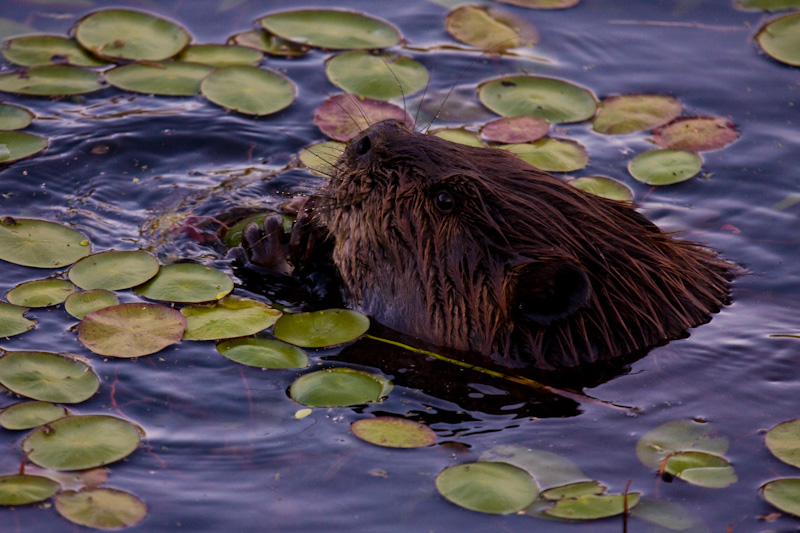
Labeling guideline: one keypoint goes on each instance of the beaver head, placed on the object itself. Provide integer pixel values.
(476, 250)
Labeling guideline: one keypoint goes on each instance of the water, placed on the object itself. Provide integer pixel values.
(223, 449)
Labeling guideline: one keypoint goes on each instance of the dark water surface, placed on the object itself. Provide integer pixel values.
(224, 451)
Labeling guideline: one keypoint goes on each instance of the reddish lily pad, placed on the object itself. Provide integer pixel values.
(697, 134)
(101, 508)
(40, 293)
(331, 29)
(20, 489)
(227, 318)
(342, 116)
(629, 113)
(521, 129)
(131, 329)
(393, 432)
(489, 29)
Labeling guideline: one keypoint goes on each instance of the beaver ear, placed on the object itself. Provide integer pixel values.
(549, 290)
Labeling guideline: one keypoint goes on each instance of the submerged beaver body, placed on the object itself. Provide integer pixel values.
(475, 250)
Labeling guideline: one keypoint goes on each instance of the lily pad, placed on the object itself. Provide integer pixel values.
(40, 293)
(227, 318)
(701, 468)
(681, 435)
(458, 135)
(629, 113)
(40, 244)
(187, 283)
(496, 488)
(249, 90)
(551, 99)
(780, 39)
(521, 129)
(592, 507)
(12, 321)
(16, 145)
(81, 442)
(604, 187)
(489, 29)
(665, 167)
(167, 79)
(51, 80)
(321, 329)
(383, 76)
(114, 270)
(784, 442)
(101, 508)
(131, 329)
(697, 134)
(542, 4)
(268, 43)
(338, 387)
(784, 494)
(551, 155)
(130, 35)
(574, 490)
(14, 117)
(48, 377)
(35, 50)
(332, 29)
(24, 489)
(220, 55)
(342, 116)
(321, 157)
(81, 303)
(263, 353)
(393, 432)
(27, 415)
(547, 468)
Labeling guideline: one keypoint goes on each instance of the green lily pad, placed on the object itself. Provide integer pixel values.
(784, 442)
(665, 167)
(35, 50)
(14, 117)
(393, 432)
(697, 134)
(249, 90)
(12, 321)
(629, 113)
(320, 158)
(51, 80)
(81, 442)
(227, 318)
(221, 55)
(541, 4)
(551, 155)
(332, 29)
(783, 494)
(131, 329)
(24, 489)
(81, 303)
(113, 270)
(48, 377)
(459, 135)
(681, 435)
(40, 244)
(130, 35)
(263, 353)
(574, 490)
(780, 39)
(101, 508)
(701, 468)
(40, 293)
(547, 468)
(321, 329)
(489, 29)
(342, 116)
(187, 283)
(167, 79)
(592, 507)
(521, 129)
(382, 76)
(496, 488)
(338, 387)
(16, 145)
(604, 187)
(27, 415)
(551, 99)
(268, 43)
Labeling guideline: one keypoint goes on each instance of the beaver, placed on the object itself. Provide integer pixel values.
(475, 250)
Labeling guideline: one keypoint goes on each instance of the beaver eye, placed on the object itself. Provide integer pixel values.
(444, 202)
(362, 145)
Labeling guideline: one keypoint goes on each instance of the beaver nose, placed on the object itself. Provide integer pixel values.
(362, 145)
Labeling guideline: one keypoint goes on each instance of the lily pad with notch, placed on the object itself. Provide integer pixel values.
(187, 283)
(780, 38)
(701, 468)
(629, 113)
(39, 243)
(221, 55)
(554, 100)
(40, 292)
(678, 436)
(393, 432)
(783, 441)
(496, 488)
(81, 303)
(593, 506)
(114, 270)
(342, 116)
(321, 329)
(604, 187)
(28, 415)
(101, 508)
(13, 321)
(13, 117)
(36, 50)
(227, 318)
(249, 90)
(24, 489)
(380, 76)
(268, 43)
(520, 129)
(665, 167)
(171, 78)
(697, 134)
(458, 135)
(48, 377)
(783, 494)
(263, 353)
(331, 29)
(16, 145)
(51, 80)
(551, 155)
(339, 387)
(490, 29)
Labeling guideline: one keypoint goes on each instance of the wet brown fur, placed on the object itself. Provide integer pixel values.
(459, 279)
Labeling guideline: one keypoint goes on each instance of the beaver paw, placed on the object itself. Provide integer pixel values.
(267, 246)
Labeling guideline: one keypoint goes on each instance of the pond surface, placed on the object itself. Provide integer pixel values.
(223, 449)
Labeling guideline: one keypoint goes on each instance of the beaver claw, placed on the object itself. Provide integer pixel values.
(268, 246)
